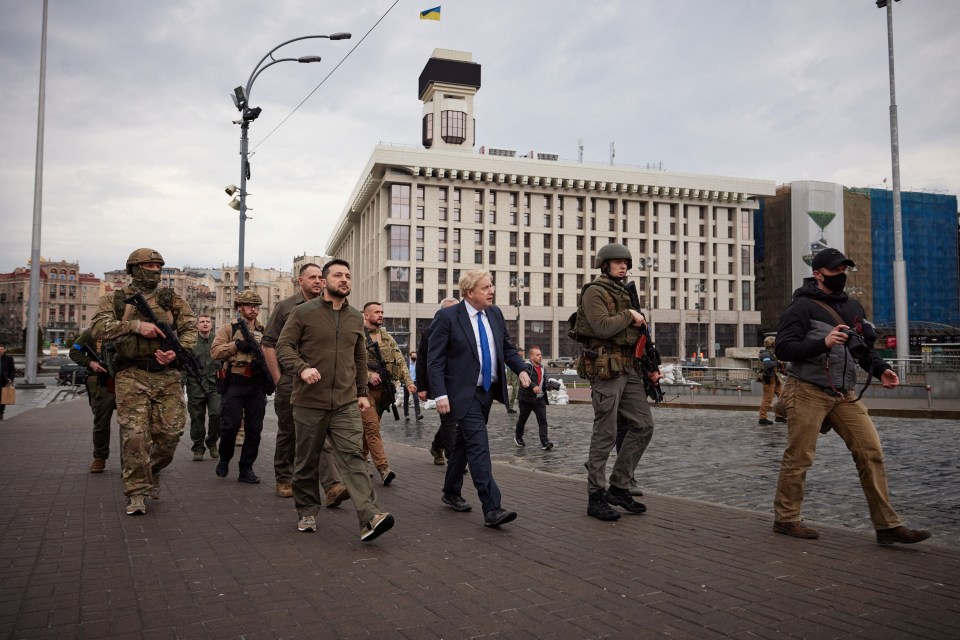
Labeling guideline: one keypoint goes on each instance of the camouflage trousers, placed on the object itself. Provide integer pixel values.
(152, 415)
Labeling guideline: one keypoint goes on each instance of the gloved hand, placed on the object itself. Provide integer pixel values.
(243, 346)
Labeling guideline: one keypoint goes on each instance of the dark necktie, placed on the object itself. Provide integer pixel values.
(486, 365)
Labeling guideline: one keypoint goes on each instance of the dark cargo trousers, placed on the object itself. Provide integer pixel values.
(622, 398)
(202, 403)
(243, 402)
(285, 452)
(102, 404)
(343, 427)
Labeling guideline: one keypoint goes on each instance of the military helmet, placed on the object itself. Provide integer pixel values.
(139, 256)
(247, 296)
(613, 251)
(769, 341)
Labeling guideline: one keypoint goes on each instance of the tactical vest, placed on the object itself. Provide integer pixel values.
(133, 346)
(618, 301)
(241, 359)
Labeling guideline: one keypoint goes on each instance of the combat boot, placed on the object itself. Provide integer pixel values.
(214, 453)
(622, 498)
(155, 487)
(598, 508)
(135, 505)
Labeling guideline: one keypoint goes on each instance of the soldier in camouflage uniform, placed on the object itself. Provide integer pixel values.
(245, 400)
(100, 395)
(150, 407)
(203, 399)
(381, 393)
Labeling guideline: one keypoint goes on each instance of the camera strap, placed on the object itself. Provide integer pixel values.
(826, 368)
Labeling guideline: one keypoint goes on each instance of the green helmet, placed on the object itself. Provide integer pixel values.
(769, 341)
(613, 251)
(139, 256)
(247, 296)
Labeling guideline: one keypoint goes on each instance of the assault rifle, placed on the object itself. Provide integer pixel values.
(258, 359)
(188, 361)
(379, 367)
(645, 350)
(90, 353)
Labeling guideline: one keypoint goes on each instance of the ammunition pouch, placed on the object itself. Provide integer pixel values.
(603, 364)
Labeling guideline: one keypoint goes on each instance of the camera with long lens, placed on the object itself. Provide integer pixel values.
(856, 344)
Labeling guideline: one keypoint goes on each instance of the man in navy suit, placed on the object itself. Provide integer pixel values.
(468, 348)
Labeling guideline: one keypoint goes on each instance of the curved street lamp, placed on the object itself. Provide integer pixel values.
(241, 100)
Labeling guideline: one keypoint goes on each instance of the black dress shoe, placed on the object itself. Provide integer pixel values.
(457, 503)
(249, 477)
(222, 469)
(497, 517)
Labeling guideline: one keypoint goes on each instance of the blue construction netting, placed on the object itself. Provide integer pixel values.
(929, 223)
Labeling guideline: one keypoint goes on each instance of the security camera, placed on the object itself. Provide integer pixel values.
(239, 98)
(231, 189)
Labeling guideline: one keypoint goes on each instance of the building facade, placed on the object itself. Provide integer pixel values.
(67, 303)
(804, 217)
(419, 217)
(272, 285)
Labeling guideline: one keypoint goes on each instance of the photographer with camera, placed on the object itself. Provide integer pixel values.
(823, 336)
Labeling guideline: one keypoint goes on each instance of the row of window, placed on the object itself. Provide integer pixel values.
(400, 209)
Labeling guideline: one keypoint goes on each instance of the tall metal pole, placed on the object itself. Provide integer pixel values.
(33, 306)
(244, 142)
(899, 266)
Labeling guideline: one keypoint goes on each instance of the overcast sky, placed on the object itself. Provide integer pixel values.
(140, 144)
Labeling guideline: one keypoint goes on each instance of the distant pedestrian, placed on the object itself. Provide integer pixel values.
(407, 395)
(203, 399)
(100, 394)
(8, 372)
(823, 336)
(769, 377)
(514, 382)
(534, 399)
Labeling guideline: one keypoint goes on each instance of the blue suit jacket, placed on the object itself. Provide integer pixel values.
(453, 364)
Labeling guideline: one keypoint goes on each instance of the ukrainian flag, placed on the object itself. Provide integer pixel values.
(431, 14)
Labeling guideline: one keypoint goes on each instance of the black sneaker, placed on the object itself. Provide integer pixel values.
(546, 446)
(222, 469)
(519, 441)
(598, 508)
(780, 419)
(765, 422)
(623, 499)
(248, 476)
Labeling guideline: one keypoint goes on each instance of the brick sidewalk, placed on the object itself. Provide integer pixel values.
(218, 559)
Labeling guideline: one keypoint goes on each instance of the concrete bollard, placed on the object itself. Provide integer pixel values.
(739, 394)
(929, 398)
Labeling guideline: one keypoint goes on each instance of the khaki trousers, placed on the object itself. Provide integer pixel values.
(372, 442)
(622, 397)
(286, 446)
(807, 407)
(773, 388)
(343, 426)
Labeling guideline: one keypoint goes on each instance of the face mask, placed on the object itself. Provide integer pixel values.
(145, 280)
(835, 283)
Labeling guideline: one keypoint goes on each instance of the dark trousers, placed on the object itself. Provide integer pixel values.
(203, 402)
(467, 442)
(103, 403)
(447, 424)
(244, 401)
(416, 403)
(539, 409)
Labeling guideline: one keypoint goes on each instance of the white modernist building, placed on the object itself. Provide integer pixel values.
(419, 217)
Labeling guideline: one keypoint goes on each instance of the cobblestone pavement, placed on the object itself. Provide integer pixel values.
(725, 458)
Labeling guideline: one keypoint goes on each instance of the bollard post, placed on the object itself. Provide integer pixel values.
(739, 394)
(691, 393)
(929, 399)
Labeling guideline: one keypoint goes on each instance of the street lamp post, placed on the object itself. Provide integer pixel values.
(649, 264)
(699, 289)
(519, 284)
(241, 99)
(899, 266)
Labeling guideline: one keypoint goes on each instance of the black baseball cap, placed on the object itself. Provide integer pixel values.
(830, 259)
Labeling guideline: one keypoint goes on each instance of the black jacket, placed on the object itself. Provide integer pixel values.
(7, 370)
(526, 394)
(800, 339)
